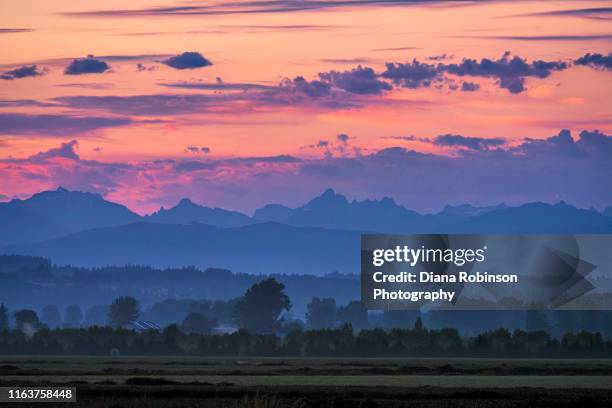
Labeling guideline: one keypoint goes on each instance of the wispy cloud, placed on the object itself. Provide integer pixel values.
(232, 29)
(597, 13)
(56, 125)
(396, 49)
(133, 57)
(218, 86)
(352, 61)
(15, 30)
(560, 37)
(97, 86)
(468, 142)
(262, 7)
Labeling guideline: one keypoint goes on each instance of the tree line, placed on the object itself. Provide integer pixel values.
(264, 332)
(265, 308)
(339, 342)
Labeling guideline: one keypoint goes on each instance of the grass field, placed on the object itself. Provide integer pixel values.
(313, 382)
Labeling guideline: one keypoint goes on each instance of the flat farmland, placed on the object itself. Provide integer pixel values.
(139, 381)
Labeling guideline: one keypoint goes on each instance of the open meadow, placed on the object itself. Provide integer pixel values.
(313, 382)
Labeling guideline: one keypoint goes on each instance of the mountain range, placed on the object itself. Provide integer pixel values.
(322, 236)
(52, 214)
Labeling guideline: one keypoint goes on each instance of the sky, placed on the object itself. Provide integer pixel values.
(237, 104)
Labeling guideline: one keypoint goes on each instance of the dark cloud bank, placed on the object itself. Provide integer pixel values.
(332, 89)
(597, 61)
(483, 171)
(557, 168)
(509, 72)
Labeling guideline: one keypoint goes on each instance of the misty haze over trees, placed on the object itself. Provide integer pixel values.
(264, 332)
(263, 326)
(300, 278)
(169, 296)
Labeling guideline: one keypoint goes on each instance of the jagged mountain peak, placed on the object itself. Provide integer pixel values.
(185, 202)
(188, 212)
(327, 199)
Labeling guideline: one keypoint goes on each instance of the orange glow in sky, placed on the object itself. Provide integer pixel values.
(246, 104)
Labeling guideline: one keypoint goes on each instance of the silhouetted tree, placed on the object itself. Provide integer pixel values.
(321, 313)
(25, 318)
(418, 324)
(197, 323)
(124, 310)
(4, 323)
(51, 316)
(73, 316)
(260, 307)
